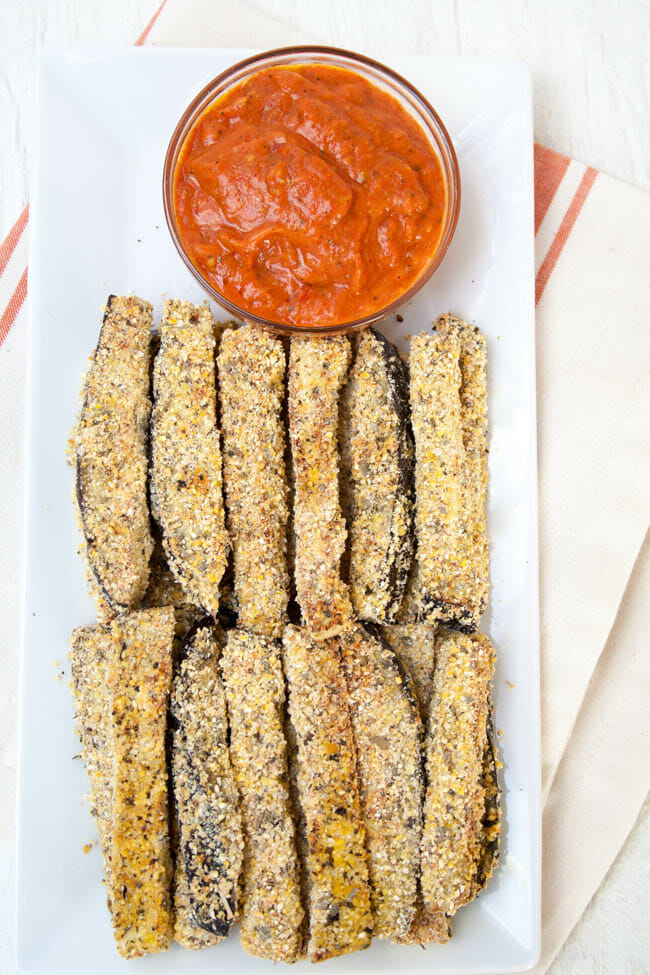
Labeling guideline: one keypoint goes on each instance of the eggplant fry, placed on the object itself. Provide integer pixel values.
(435, 413)
(139, 677)
(271, 912)
(251, 390)
(474, 421)
(210, 844)
(317, 372)
(377, 466)
(186, 494)
(90, 650)
(414, 645)
(455, 746)
(449, 415)
(111, 457)
(388, 738)
(340, 917)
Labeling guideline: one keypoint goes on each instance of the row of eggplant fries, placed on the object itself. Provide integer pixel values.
(381, 854)
(368, 462)
(367, 802)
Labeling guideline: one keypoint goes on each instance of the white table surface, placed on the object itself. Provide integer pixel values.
(592, 101)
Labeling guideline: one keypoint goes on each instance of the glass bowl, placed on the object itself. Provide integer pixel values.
(389, 81)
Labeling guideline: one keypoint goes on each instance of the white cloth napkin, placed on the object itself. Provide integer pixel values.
(592, 243)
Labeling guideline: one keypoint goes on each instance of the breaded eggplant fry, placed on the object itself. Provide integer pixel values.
(449, 416)
(439, 455)
(90, 651)
(111, 447)
(455, 746)
(186, 492)
(139, 677)
(414, 644)
(377, 467)
(271, 912)
(210, 844)
(388, 738)
(251, 390)
(474, 421)
(317, 372)
(340, 917)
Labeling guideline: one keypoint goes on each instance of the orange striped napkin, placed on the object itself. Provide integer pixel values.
(593, 369)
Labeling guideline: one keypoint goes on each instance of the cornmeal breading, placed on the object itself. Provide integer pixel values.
(111, 456)
(428, 927)
(455, 745)
(491, 823)
(317, 372)
(165, 590)
(139, 677)
(90, 650)
(186, 931)
(186, 493)
(388, 738)
(450, 581)
(340, 917)
(435, 413)
(300, 824)
(210, 843)
(121, 675)
(414, 644)
(411, 610)
(474, 422)
(271, 912)
(377, 468)
(251, 391)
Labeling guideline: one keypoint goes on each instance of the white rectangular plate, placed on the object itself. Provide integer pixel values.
(103, 122)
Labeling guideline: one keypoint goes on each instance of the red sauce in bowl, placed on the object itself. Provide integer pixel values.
(307, 195)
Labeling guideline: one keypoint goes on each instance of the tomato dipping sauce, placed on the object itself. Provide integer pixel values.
(307, 195)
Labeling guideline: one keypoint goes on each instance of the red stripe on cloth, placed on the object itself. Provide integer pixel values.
(563, 232)
(8, 245)
(550, 167)
(145, 33)
(10, 242)
(15, 304)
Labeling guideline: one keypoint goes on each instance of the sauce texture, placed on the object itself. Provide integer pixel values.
(307, 195)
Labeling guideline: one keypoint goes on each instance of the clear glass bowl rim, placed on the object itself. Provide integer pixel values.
(428, 118)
